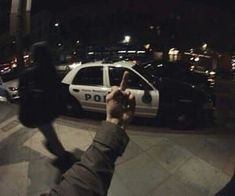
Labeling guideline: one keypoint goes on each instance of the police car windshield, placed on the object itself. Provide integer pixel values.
(149, 70)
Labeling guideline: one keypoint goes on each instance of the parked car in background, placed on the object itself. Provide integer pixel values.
(5, 68)
(9, 88)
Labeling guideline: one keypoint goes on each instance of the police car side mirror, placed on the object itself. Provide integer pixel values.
(157, 82)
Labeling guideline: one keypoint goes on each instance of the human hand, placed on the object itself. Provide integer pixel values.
(120, 104)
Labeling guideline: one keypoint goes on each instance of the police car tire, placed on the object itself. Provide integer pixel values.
(73, 107)
(182, 118)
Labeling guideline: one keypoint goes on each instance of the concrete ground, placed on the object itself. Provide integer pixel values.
(157, 161)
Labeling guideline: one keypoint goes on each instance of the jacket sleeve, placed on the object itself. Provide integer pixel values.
(92, 175)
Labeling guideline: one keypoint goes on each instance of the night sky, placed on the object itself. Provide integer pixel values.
(160, 8)
(61, 5)
(198, 20)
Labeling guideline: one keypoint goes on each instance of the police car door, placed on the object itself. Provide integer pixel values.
(88, 88)
(147, 98)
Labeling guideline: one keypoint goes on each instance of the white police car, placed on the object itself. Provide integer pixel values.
(176, 102)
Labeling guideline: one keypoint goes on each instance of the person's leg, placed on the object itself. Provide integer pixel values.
(65, 159)
(52, 141)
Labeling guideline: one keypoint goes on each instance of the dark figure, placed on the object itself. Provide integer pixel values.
(40, 101)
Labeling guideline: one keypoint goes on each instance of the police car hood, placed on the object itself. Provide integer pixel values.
(182, 89)
(174, 83)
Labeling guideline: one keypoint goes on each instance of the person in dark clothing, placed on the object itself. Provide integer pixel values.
(91, 176)
(228, 189)
(40, 101)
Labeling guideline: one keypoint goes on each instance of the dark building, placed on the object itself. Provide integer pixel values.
(41, 26)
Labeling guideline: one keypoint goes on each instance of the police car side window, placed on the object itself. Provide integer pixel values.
(134, 81)
(90, 76)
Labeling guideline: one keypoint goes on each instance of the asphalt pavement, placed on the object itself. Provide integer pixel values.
(7, 110)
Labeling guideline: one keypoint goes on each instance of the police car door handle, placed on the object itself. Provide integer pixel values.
(76, 90)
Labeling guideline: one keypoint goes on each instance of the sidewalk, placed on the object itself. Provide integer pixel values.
(164, 164)
(7, 110)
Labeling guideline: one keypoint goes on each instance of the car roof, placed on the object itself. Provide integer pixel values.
(101, 63)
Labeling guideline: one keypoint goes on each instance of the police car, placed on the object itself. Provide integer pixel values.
(176, 102)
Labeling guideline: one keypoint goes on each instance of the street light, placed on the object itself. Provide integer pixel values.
(173, 54)
(77, 41)
(204, 46)
(56, 24)
(147, 46)
(197, 59)
(127, 39)
(173, 51)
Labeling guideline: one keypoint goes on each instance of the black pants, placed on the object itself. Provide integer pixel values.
(53, 143)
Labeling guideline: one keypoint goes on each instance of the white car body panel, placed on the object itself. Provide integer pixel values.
(92, 98)
(74, 65)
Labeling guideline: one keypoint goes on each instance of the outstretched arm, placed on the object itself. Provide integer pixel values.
(93, 174)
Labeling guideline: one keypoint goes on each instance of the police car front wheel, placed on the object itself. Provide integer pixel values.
(182, 119)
